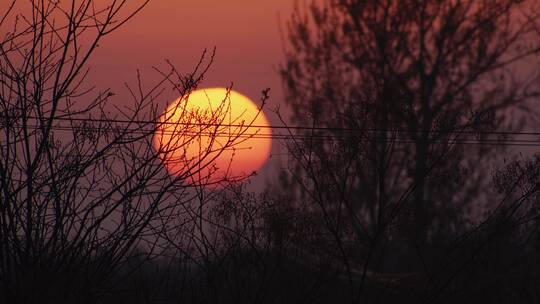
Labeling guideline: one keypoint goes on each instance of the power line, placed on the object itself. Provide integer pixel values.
(283, 127)
(277, 136)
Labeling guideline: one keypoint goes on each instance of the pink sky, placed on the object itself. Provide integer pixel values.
(245, 33)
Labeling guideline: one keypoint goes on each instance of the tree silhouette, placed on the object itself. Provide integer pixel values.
(397, 104)
(85, 199)
(403, 98)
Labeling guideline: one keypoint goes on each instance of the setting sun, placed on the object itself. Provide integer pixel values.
(213, 135)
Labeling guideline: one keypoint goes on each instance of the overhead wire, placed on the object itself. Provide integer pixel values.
(333, 133)
(284, 127)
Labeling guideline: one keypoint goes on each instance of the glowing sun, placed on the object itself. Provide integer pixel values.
(212, 135)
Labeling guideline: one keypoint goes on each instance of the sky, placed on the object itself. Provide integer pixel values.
(247, 35)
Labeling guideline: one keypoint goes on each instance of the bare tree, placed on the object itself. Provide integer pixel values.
(83, 187)
(397, 102)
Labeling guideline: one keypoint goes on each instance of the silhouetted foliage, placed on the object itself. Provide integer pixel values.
(402, 101)
(85, 200)
(386, 199)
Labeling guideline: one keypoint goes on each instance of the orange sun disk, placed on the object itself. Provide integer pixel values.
(211, 136)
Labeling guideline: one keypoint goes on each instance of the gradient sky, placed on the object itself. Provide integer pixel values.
(246, 34)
